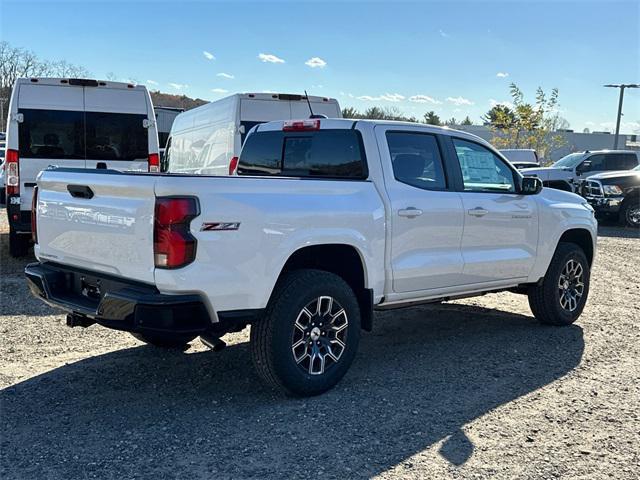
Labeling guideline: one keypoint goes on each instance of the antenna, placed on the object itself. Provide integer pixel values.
(306, 95)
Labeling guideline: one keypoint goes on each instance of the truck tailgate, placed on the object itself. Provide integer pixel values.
(97, 221)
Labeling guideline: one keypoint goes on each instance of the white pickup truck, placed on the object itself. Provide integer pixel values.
(326, 221)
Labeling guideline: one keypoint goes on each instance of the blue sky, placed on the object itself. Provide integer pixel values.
(456, 58)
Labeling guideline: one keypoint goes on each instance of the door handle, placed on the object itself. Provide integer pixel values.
(409, 212)
(477, 212)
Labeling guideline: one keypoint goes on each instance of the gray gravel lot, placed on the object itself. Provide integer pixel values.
(468, 389)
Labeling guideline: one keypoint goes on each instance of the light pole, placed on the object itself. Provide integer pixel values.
(621, 86)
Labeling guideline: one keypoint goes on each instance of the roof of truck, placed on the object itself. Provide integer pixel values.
(59, 81)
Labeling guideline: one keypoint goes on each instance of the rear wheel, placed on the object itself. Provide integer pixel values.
(630, 212)
(309, 335)
(561, 297)
(165, 340)
(18, 243)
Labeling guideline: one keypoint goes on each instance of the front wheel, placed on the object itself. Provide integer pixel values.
(630, 212)
(309, 335)
(562, 295)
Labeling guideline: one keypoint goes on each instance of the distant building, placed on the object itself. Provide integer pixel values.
(575, 142)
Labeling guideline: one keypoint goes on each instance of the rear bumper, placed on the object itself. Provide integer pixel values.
(20, 220)
(117, 303)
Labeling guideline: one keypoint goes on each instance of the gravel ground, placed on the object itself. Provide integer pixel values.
(468, 389)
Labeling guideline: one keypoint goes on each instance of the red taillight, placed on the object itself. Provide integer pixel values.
(34, 212)
(173, 244)
(154, 162)
(12, 172)
(301, 125)
(233, 164)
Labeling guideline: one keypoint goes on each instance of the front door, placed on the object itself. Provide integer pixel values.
(426, 213)
(500, 226)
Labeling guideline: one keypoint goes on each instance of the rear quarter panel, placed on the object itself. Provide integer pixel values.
(277, 216)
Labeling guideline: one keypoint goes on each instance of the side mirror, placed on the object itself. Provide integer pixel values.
(583, 167)
(531, 186)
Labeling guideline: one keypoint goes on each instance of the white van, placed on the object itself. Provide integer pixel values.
(77, 123)
(206, 139)
(521, 155)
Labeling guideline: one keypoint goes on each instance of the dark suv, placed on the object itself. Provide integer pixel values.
(615, 193)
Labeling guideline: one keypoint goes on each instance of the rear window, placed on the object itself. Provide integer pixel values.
(321, 153)
(59, 134)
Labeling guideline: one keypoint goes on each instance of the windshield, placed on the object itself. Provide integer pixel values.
(570, 160)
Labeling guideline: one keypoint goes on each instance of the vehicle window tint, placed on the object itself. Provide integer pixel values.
(55, 134)
(116, 136)
(323, 153)
(597, 163)
(261, 155)
(247, 126)
(623, 161)
(416, 160)
(482, 171)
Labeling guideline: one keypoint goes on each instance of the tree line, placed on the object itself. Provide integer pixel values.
(393, 113)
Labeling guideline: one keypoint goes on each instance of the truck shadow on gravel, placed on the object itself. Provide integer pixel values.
(419, 377)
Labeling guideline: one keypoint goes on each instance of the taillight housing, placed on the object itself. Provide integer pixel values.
(233, 165)
(173, 244)
(34, 213)
(154, 162)
(301, 125)
(12, 172)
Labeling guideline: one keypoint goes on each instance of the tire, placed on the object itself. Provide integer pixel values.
(308, 369)
(165, 340)
(18, 244)
(630, 212)
(548, 304)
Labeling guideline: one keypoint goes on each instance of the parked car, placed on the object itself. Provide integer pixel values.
(571, 171)
(325, 221)
(76, 123)
(616, 194)
(523, 165)
(515, 155)
(207, 139)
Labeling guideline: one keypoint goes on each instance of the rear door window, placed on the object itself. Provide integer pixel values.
(416, 160)
(321, 153)
(54, 134)
(61, 134)
(116, 136)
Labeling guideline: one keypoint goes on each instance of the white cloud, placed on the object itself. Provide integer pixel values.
(316, 62)
(179, 86)
(459, 101)
(269, 58)
(219, 90)
(387, 97)
(317, 86)
(152, 82)
(443, 34)
(424, 99)
(493, 102)
(502, 74)
(208, 55)
(225, 75)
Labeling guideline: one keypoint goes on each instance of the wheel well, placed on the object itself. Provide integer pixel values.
(582, 238)
(342, 260)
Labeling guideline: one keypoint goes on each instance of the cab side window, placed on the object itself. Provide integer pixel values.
(416, 160)
(482, 171)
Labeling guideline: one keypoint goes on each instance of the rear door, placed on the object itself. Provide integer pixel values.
(426, 212)
(116, 134)
(51, 132)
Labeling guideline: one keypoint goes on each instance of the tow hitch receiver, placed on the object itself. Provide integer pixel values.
(75, 320)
